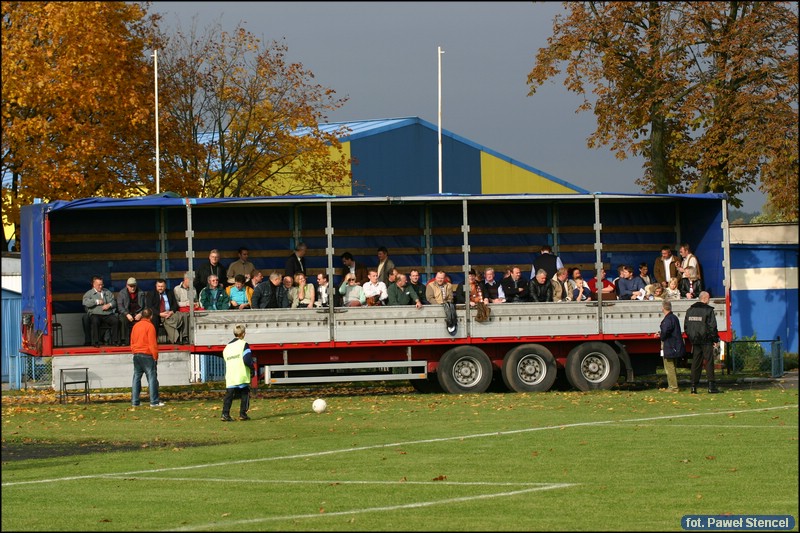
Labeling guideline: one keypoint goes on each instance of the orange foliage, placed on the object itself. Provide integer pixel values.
(706, 91)
(77, 100)
(246, 122)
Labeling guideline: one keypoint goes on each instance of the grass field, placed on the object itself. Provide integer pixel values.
(394, 460)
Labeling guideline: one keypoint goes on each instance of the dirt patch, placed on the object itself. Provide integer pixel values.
(21, 452)
(12, 451)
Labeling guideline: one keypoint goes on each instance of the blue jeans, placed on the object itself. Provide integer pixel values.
(144, 364)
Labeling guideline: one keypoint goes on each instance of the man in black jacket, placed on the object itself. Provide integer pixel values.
(700, 326)
(540, 288)
(515, 287)
(214, 266)
(165, 312)
(265, 295)
(295, 263)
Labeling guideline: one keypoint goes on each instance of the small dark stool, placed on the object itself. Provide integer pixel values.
(58, 334)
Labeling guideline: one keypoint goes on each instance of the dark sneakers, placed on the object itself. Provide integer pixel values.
(227, 418)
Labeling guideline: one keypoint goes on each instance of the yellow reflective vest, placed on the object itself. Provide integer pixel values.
(236, 373)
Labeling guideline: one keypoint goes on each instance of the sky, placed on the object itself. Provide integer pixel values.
(383, 56)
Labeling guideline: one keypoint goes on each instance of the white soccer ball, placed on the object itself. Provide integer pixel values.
(319, 405)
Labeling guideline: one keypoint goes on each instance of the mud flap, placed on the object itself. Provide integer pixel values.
(625, 358)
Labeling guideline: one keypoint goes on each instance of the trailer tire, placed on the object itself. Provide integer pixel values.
(465, 369)
(529, 368)
(592, 366)
(427, 386)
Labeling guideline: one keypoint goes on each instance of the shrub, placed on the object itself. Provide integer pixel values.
(749, 356)
(789, 361)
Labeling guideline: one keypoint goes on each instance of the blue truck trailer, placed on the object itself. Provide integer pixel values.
(523, 346)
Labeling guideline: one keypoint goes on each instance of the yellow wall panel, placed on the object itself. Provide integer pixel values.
(346, 187)
(502, 177)
(280, 183)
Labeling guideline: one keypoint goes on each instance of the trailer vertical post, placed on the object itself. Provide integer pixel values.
(190, 262)
(332, 289)
(467, 266)
(598, 264)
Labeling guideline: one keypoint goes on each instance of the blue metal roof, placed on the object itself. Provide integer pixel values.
(362, 128)
(170, 199)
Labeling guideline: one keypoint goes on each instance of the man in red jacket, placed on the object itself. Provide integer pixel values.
(144, 346)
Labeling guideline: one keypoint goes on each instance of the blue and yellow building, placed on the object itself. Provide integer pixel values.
(400, 157)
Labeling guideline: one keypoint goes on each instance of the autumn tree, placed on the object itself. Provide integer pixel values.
(706, 92)
(77, 100)
(248, 121)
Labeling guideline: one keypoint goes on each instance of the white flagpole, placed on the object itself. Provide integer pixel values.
(440, 118)
(155, 71)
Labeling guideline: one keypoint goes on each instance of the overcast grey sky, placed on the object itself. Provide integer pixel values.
(383, 56)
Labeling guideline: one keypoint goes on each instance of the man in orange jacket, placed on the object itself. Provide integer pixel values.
(144, 345)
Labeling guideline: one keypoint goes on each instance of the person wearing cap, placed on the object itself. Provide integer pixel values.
(130, 304)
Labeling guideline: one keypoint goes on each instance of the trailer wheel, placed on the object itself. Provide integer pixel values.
(427, 386)
(592, 366)
(465, 369)
(529, 368)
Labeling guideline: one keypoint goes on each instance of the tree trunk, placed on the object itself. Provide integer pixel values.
(658, 154)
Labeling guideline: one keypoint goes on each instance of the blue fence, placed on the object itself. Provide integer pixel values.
(212, 368)
(755, 356)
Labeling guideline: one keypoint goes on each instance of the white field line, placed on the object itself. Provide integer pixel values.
(417, 505)
(725, 426)
(396, 444)
(342, 482)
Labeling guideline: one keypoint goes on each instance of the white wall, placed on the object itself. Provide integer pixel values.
(115, 371)
(12, 274)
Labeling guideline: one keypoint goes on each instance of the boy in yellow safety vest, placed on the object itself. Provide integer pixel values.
(239, 368)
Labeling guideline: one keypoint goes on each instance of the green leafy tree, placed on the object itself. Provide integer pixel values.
(245, 121)
(706, 92)
(77, 97)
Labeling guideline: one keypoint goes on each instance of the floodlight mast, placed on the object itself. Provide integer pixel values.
(439, 55)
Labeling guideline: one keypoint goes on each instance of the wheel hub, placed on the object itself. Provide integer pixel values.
(595, 368)
(530, 370)
(467, 372)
